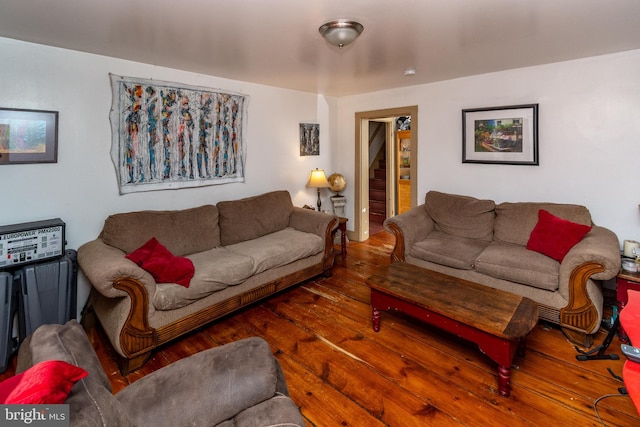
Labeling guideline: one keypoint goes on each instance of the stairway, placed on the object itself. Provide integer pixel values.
(378, 194)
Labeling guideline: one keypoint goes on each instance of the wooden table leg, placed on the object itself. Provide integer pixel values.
(502, 352)
(522, 348)
(375, 319)
(504, 381)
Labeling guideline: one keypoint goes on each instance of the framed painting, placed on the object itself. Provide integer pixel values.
(309, 139)
(502, 135)
(28, 136)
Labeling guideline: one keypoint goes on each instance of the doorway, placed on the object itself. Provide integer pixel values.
(362, 164)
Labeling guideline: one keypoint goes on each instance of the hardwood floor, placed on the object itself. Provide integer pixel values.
(342, 373)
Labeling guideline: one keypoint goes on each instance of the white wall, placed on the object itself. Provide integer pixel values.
(81, 188)
(589, 136)
(589, 139)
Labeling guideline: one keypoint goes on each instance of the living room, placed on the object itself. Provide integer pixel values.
(588, 148)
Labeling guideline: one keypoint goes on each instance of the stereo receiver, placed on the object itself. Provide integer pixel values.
(31, 241)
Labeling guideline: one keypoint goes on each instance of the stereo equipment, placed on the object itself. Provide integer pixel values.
(8, 309)
(48, 291)
(30, 242)
(34, 295)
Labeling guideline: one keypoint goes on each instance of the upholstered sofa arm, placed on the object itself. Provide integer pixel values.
(205, 389)
(595, 257)
(599, 246)
(409, 227)
(312, 221)
(104, 264)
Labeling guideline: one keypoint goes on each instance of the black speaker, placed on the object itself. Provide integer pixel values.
(47, 293)
(9, 304)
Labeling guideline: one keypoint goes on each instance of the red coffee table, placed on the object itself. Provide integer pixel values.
(497, 321)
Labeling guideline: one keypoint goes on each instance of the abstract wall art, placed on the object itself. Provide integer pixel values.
(169, 135)
(309, 139)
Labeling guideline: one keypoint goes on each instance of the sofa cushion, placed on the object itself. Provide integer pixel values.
(278, 411)
(96, 406)
(515, 221)
(554, 237)
(461, 216)
(162, 264)
(252, 217)
(279, 248)
(452, 251)
(517, 264)
(215, 269)
(183, 232)
(45, 383)
(225, 380)
(68, 343)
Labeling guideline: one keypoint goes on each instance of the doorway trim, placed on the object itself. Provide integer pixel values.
(361, 193)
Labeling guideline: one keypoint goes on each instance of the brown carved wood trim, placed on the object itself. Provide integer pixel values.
(127, 366)
(195, 320)
(397, 255)
(329, 253)
(580, 314)
(579, 338)
(137, 336)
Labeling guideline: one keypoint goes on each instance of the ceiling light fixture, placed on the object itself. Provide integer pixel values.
(341, 32)
(410, 72)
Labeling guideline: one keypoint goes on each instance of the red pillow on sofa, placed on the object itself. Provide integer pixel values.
(162, 264)
(45, 383)
(554, 236)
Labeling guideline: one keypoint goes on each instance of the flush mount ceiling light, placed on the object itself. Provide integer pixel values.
(341, 32)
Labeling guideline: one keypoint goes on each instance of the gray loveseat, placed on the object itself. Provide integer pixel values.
(242, 251)
(234, 385)
(486, 243)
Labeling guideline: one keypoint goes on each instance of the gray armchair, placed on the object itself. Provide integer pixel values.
(238, 384)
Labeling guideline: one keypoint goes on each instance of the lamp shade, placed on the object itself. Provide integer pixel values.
(317, 179)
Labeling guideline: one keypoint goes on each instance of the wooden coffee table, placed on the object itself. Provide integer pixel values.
(497, 321)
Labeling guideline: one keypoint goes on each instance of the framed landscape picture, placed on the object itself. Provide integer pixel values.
(28, 136)
(502, 135)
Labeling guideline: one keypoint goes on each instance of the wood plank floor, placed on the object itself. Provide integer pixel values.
(341, 373)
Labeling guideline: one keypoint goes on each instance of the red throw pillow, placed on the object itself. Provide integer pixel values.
(162, 264)
(554, 237)
(46, 383)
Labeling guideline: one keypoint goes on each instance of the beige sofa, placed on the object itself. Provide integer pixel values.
(242, 251)
(486, 243)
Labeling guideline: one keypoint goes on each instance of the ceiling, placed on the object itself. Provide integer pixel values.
(276, 42)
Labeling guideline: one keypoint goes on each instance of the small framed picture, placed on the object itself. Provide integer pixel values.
(28, 136)
(309, 139)
(503, 135)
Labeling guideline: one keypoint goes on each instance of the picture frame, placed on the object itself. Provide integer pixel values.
(28, 136)
(501, 135)
(309, 139)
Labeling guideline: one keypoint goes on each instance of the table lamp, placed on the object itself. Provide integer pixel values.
(317, 179)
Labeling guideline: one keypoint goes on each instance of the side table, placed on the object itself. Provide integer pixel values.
(625, 280)
(342, 226)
